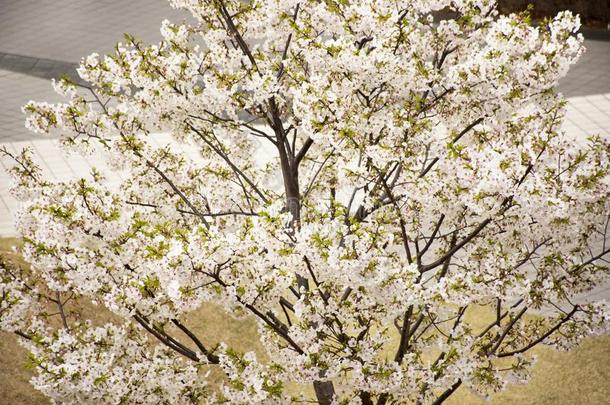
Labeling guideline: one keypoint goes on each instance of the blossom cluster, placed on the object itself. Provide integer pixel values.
(371, 177)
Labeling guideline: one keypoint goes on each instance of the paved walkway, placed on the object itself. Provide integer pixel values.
(586, 115)
(67, 30)
(44, 39)
(40, 40)
(591, 75)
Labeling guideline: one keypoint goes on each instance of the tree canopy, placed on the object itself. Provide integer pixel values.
(369, 172)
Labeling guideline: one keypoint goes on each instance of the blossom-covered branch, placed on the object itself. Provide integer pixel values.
(370, 177)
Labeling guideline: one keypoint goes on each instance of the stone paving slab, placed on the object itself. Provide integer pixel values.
(587, 115)
(38, 67)
(43, 39)
(16, 89)
(591, 74)
(590, 110)
(67, 30)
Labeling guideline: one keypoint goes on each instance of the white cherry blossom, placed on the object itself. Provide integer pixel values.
(371, 175)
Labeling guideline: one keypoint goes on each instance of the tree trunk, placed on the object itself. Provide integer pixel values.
(324, 392)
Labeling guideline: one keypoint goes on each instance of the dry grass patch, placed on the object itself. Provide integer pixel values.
(577, 377)
(581, 376)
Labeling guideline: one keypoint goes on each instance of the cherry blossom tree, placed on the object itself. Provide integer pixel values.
(383, 186)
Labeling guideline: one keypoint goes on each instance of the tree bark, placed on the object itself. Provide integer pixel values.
(324, 392)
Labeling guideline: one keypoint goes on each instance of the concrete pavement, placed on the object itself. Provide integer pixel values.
(586, 115)
(44, 39)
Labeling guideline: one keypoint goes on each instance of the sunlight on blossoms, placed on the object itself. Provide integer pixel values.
(382, 187)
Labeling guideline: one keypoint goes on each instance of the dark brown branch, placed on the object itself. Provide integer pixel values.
(457, 247)
(504, 315)
(207, 214)
(315, 280)
(212, 358)
(507, 330)
(235, 32)
(403, 225)
(447, 393)
(544, 336)
(166, 340)
(457, 138)
(178, 192)
(447, 262)
(586, 263)
(301, 154)
(288, 40)
(23, 335)
(433, 236)
(404, 335)
(26, 169)
(60, 306)
(238, 172)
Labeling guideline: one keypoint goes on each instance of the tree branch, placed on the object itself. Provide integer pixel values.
(301, 154)
(544, 336)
